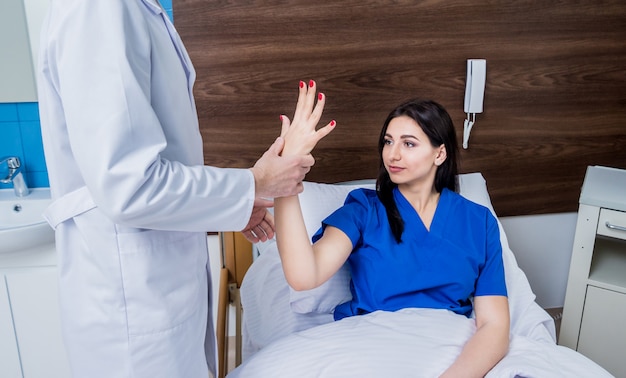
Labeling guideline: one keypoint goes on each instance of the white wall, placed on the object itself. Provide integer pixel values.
(543, 245)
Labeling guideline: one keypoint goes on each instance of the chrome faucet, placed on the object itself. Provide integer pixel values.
(15, 176)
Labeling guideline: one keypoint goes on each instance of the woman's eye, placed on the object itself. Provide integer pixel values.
(388, 141)
(409, 144)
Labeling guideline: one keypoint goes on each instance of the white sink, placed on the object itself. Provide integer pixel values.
(21, 222)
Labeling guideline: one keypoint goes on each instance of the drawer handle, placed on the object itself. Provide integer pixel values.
(614, 226)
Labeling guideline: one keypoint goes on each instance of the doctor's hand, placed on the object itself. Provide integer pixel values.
(280, 176)
(261, 224)
(301, 135)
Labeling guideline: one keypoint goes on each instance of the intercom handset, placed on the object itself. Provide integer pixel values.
(474, 94)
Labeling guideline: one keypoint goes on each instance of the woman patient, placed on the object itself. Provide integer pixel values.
(412, 242)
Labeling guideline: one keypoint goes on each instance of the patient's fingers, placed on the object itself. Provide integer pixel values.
(319, 108)
(301, 135)
(301, 104)
(306, 100)
(322, 132)
(310, 98)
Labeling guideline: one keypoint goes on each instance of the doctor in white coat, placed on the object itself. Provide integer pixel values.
(132, 198)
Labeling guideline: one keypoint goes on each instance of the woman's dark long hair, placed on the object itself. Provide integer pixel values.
(436, 123)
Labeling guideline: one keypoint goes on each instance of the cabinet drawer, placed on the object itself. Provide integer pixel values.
(612, 223)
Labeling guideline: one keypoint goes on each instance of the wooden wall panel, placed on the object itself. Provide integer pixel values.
(555, 99)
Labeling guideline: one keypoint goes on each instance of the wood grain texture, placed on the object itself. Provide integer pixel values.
(555, 99)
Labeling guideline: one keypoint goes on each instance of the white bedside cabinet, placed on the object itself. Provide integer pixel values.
(594, 313)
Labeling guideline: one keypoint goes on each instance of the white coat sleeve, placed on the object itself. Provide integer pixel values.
(105, 53)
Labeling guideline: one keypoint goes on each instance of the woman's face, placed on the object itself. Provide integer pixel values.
(408, 155)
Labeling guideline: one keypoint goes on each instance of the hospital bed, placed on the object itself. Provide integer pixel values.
(288, 333)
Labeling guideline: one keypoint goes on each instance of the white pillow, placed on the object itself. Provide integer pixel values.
(319, 201)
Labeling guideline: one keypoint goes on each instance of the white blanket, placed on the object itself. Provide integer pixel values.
(406, 343)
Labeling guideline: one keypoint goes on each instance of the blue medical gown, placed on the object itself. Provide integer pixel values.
(445, 267)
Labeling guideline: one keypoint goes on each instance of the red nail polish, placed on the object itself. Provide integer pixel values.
(301, 84)
(320, 96)
(281, 117)
(311, 84)
(333, 123)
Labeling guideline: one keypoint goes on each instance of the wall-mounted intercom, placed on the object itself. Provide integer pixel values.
(474, 94)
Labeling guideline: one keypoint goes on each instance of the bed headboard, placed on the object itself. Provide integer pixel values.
(555, 99)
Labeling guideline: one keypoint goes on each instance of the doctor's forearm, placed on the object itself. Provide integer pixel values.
(182, 199)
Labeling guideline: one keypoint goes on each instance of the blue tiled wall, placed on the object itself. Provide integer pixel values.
(21, 137)
(167, 5)
(20, 133)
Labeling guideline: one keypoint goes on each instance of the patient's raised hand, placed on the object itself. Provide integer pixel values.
(300, 134)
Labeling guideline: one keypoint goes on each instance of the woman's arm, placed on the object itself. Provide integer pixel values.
(306, 266)
(489, 344)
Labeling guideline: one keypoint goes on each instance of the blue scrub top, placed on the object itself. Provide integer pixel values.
(459, 258)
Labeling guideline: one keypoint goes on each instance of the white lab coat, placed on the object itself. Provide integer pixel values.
(133, 200)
